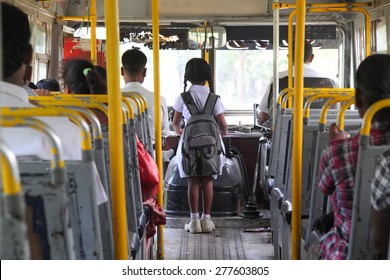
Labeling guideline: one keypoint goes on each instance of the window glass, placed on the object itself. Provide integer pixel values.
(42, 70)
(172, 64)
(241, 76)
(40, 37)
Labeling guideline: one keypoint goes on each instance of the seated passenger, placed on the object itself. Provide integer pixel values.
(17, 55)
(266, 104)
(134, 72)
(380, 202)
(82, 77)
(339, 159)
(49, 84)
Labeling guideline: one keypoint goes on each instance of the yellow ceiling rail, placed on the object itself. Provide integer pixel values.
(324, 8)
(92, 18)
(278, 5)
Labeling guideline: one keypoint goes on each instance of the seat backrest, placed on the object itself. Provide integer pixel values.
(360, 245)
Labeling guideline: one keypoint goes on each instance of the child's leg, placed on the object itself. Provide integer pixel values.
(194, 226)
(207, 185)
(193, 194)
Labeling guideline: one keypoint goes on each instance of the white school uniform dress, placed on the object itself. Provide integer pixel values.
(199, 94)
(26, 141)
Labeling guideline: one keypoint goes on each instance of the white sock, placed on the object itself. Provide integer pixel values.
(206, 216)
(194, 216)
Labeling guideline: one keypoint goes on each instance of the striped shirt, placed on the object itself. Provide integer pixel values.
(337, 179)
(380, 187)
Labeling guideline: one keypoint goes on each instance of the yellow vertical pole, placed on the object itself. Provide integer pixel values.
(93, 31)
(156, 63)
(298, 129)
(115, 133)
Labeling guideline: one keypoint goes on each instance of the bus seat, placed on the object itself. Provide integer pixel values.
(285, 230)
(13, 224)
(275, 205)
(136, 218)
(360, 245)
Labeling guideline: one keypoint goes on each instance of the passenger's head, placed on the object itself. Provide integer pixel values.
(133, 65)
(17, 51)
(373, 84)
(49, 84)
(198, 71)
(308, 52)
(82, 77)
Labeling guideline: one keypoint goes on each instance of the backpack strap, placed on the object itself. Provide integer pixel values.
(210, 103)
(189, 103)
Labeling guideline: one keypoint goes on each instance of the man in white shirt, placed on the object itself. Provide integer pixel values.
(134, 72)
(17, 55)
(308, 72)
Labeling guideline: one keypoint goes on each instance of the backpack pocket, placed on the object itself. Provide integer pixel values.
(205, 145)
(203, 158)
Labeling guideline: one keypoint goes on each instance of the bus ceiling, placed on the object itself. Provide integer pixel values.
(195, 12)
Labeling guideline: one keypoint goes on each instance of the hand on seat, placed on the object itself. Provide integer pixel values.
(336, 134)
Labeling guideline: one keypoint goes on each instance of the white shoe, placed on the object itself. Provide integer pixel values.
(207, 225)
(193, 226)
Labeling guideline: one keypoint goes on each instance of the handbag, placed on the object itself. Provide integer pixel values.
(148, 172)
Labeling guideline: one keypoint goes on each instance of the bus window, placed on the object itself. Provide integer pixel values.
(42, 49)
(378, 33)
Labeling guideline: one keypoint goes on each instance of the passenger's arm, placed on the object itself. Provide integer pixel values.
(262, 117)
(164, 121)
(222, 124)
(380, 231)
(177, 122)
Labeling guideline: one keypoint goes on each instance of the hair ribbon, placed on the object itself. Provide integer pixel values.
(86, 71)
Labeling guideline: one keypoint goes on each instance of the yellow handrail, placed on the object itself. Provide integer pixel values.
(86, 101)
(369, 114)
(329, 104)
(26, 121)
(9, 171)
(343, 109)
(86, 142)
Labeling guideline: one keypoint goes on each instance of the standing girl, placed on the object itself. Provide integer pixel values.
(198, 72)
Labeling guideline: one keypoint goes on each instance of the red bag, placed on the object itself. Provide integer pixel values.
(157, 216)
(148, 172)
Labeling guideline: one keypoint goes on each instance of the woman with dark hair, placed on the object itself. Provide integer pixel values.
(82, 77)
(198, 72)
(338, 161)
